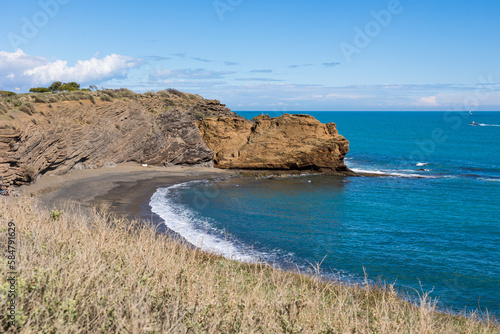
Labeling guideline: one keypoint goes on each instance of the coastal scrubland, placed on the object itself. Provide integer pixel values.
(90, 272)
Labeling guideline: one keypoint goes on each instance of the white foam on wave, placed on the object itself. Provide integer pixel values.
(396, 173)
(412, 175)
(371, 171)
(482, 124)
(393, 173)
(489, 180)
(196, 231)
(420, 164)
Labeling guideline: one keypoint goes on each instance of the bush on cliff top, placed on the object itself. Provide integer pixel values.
(59, 86)
(5, 93)
(118, 93)
(39, 90)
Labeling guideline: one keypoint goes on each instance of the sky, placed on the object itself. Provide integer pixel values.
(262, 55)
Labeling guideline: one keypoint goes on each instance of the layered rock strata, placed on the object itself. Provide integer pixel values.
(81, 134)
(41, 135)
(288, 142)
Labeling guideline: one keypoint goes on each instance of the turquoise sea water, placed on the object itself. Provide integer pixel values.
(433, 225)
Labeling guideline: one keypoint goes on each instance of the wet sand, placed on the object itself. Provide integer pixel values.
(123, 190)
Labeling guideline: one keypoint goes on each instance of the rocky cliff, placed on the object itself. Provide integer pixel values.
(101, 130)
(53, 133)
(298, 142)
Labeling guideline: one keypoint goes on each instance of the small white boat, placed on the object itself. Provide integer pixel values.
(474, 123)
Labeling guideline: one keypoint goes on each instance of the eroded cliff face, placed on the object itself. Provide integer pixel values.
(286, 142)
(43, 134)
(63, 135)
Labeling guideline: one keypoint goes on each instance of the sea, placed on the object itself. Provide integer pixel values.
(431, 224)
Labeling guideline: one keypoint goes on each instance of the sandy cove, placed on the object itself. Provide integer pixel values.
(123, 190)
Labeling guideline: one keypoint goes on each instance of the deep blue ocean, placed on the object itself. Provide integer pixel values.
(433, 225)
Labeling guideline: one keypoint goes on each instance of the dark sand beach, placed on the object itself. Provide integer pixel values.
(123, 190)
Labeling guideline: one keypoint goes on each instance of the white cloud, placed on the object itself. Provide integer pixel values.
(20, 69)
(12, 64)
(84, 71)
(427, 101)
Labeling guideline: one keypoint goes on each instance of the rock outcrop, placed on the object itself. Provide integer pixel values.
(53, 133)
(288, 142)
(93, 133)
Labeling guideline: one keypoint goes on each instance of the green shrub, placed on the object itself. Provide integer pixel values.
(75, 96)
(176, 92)
(172, 92)
(69, 88)
(169, 103)
(54, 98)
(109, 92)
(28, 108)
(106, 98)
(200, 115)
(117, 93)
(124, 92)
(59, 86)
(193, 96)
(55, 214)
(4, 107)
(40, 98)
(5, 93)
(39, 90)
(67, 96)
(15, 102)
(55, 86)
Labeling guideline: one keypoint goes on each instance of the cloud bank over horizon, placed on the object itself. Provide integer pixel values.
(241, 91)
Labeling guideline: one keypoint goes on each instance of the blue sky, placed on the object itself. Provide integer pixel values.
(264, 55)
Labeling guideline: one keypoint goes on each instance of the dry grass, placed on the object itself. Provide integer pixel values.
(91, 274)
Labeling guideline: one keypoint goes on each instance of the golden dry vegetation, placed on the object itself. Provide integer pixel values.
(91, 273)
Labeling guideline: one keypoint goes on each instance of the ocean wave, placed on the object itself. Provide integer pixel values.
(489, 180)
(195, 230)
(436, 172)
(200, 233)
(407, 174)
(390, 172)
(482, 124)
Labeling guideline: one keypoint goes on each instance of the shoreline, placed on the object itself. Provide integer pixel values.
(123, 190)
